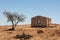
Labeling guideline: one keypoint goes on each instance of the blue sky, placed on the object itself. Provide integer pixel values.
(30, 8)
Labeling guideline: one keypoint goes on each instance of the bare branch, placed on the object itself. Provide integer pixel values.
(14, 18)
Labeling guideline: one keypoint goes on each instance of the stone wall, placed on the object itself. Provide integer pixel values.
(40, 21)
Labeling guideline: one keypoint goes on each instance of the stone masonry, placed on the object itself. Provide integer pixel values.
(40, 21)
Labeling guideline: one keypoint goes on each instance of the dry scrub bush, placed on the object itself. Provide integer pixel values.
(55, 32)
(40, 31)
(23, 36)
(58, 33)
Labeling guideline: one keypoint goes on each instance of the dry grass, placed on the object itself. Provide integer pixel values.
(47, 34)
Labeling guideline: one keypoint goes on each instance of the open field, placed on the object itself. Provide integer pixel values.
(36, 33)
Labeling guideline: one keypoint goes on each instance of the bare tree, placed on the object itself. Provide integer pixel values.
(14, 18)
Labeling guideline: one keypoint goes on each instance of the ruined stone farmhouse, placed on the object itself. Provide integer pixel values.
(41, 21)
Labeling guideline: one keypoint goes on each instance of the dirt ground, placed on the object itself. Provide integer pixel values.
(36, 33)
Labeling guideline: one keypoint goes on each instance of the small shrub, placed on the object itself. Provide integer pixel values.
(40, 31)
(11, 29)
(58, 32)
(23, 36)
(55, 32)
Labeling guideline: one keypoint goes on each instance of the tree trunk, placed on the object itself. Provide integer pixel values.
(13, 28)
(15, 25)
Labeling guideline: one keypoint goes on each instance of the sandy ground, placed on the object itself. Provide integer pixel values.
(46, 34)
